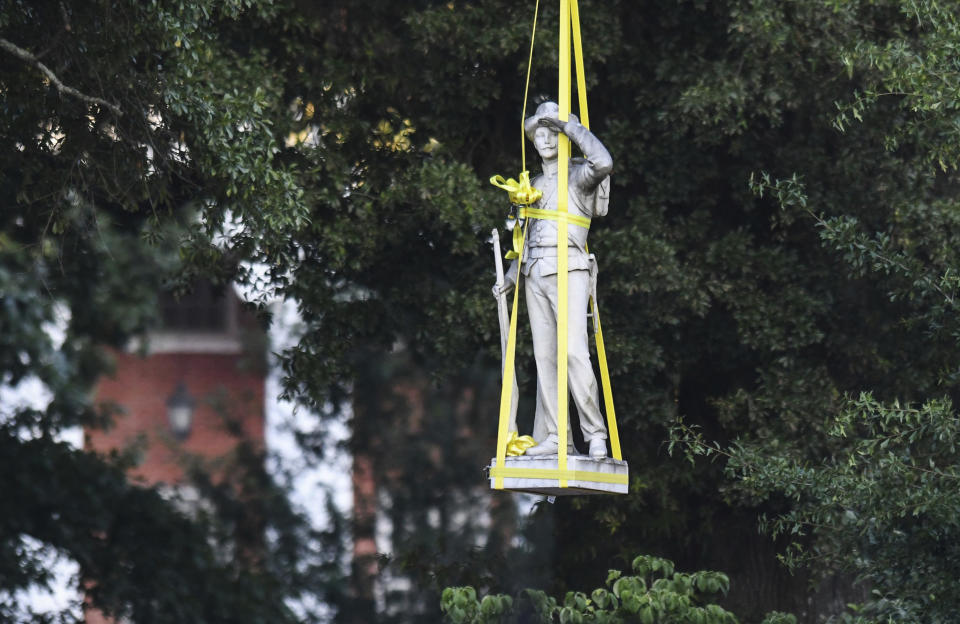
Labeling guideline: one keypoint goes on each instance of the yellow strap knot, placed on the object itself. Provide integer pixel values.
(517, 444)
(520, 192)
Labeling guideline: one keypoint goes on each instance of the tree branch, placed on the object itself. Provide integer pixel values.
(62, 88)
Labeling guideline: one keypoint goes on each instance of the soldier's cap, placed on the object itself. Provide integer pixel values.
(547, 109)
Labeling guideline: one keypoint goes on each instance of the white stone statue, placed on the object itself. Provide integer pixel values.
(540, 278)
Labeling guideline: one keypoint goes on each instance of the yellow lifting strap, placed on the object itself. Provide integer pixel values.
(555, 215)
(569, 21)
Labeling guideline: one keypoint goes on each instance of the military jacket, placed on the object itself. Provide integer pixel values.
(585, 177)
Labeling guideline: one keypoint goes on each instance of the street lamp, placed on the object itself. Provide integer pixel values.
(180, 411)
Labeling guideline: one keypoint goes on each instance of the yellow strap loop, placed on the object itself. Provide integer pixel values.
(520, 192)
(598, 331)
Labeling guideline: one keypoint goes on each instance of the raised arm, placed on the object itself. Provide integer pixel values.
(598, 163)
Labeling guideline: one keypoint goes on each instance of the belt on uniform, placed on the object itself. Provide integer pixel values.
(550, 252)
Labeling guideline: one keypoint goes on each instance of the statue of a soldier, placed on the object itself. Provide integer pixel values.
(588, 196)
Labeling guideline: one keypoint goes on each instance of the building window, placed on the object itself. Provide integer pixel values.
(202, 310)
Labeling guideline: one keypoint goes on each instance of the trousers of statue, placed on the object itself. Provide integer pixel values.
(541, 296)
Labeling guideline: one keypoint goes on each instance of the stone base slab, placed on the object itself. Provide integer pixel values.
(585, 475)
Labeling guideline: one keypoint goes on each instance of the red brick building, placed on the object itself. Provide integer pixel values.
(195, 388)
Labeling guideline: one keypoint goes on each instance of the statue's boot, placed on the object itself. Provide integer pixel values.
(550, 447)
(598, 448)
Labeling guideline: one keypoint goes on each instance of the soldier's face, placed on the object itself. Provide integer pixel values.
(545, 140)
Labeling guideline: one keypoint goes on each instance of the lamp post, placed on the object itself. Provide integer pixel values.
(180, 411)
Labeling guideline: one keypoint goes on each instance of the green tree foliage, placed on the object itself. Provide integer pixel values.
(653, 593)
(882, 507)
(880, 503)
(122, 123)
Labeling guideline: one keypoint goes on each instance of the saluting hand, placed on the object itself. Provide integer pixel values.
(555, 124)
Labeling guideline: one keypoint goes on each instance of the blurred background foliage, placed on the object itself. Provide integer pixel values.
(780, 239)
